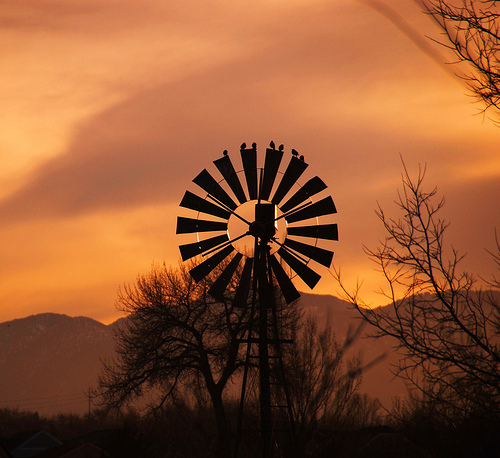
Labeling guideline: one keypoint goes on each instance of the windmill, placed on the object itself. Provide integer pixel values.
(268, 238)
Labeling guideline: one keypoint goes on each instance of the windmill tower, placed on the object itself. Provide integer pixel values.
(268, 238)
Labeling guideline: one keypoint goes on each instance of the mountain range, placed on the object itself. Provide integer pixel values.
(49, 362)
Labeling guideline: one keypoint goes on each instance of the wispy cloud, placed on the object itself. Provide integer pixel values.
(111, 108)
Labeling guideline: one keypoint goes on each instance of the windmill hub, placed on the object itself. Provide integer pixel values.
(264, 226)
(262, 230)
(258, 220)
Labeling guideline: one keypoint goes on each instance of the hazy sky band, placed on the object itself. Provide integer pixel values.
(111, 108)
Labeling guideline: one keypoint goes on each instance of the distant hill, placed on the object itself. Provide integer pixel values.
(378, 380)
(49, 361)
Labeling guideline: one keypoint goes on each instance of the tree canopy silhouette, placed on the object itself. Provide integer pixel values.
(176, 337)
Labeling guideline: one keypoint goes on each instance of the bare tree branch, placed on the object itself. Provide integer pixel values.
(446, 325)
(471, 29)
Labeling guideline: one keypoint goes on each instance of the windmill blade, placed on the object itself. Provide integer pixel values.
(227, 171)
(207, 182)
(322, 207)
(193, 249)
(202, 270)
(190, 225)
(241, 295)
(219, 286)
(249, 161)
(302, 270)
(317, 254)
(289, 291)
(194, 202)
(292, 173)
(319, 231)
(312, 187)
(271, 166)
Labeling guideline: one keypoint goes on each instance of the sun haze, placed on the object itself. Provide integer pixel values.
(111, 108)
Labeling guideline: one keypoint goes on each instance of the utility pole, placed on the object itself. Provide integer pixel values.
(90, 402)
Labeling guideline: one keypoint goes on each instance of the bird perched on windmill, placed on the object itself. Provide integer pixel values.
(272, 145)
(295, 152)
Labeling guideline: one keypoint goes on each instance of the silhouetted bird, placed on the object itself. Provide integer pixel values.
(295, 152)
(224, 152)
(301, 158)
(243, 146)
(272, 145)
(281, 148)
(254, 145)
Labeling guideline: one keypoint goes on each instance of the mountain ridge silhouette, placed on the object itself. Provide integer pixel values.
(49, 362)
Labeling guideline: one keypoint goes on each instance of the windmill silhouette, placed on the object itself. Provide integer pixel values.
(275, 229)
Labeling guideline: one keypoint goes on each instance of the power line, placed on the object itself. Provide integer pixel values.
(41, 398)
(64, 400)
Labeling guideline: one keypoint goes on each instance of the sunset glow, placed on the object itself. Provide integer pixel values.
(110, 109)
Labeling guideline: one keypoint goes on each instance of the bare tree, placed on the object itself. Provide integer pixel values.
(179, 343)
(176, 338)
(447, 326)
(472, 32)
(324, 384)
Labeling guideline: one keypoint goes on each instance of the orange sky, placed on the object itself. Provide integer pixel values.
(110, 108)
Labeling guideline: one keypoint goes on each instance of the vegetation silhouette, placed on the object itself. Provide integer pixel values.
(472, 31)
(446, 323)
(181, 347)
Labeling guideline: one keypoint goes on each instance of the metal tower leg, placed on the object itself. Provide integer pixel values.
(276, 427)
(265, 304)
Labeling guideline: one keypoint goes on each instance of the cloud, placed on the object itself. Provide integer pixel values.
(136, 100)
(146, 148)
(332, 91)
